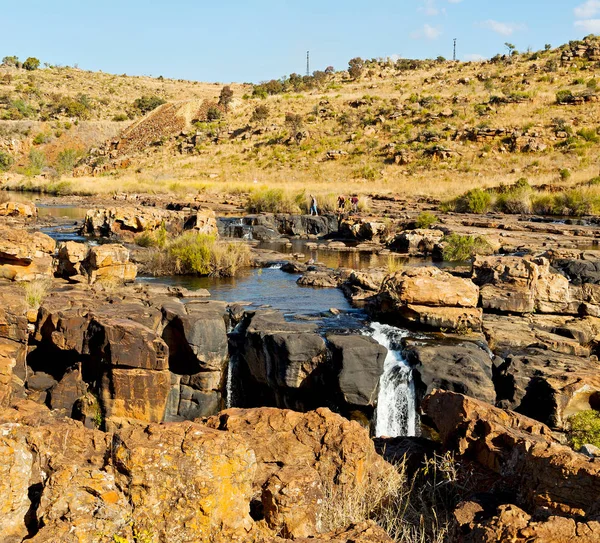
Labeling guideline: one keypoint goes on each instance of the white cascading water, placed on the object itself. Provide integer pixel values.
(396, 404)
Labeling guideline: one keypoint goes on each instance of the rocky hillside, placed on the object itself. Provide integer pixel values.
(414, 127)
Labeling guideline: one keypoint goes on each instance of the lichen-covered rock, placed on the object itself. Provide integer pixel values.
(417, 241)
(186, 482)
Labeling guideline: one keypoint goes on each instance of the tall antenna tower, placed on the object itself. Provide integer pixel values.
(307, 62)
(454, 57)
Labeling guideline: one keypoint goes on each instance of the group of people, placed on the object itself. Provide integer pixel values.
(341, 204)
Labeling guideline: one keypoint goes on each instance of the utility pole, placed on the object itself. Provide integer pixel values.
(307, 62)
(454, 57)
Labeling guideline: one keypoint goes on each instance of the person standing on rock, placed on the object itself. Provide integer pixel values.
(354, 202)
(313, 206)
(341, 203)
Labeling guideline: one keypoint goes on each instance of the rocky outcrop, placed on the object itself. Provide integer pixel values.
(361, 361)
(17, 209)
(289, 365)
(25, 256)
(297, 465)
(430, 297)
(361, 285)
(109, 359)
(363, 229)
(127, 222)
(246, 475)
(511, 523)
(110, 262)
(452, 364)
(418, 241)
(537, 470)
(522, 285)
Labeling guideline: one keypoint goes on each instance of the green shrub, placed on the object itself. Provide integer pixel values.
(576, 202)
(543, 204)
(6, 161)
(37, 161)
(589, 134)
(66, 160)
(459, 248)
(584, 429)
(153, 238)
(564, 174)
(474, 201)
(31, 64)
(226, 96)
(426, 220)
(148, 103)
(119, 117)
(564, 96)
(517, 199)
(260, 114)
(40, 138)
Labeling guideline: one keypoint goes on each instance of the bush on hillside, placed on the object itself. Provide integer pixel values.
(226, 96)
(11, 61)
(31, 64)
(6, 161)
(260, 114)
(146, 104)
(66, 160)
(356, 67)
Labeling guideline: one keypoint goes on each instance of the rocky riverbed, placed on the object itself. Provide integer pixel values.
(171, 411)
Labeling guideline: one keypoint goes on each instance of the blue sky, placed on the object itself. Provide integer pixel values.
(254, 40)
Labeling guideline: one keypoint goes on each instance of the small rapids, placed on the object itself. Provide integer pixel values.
(396, 404)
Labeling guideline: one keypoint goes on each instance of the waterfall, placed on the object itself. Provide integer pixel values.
(229, 399)
(396, 405)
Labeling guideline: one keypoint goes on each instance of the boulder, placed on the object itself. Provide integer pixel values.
(523, 285)
(362, 229)
(281, 354)
(110, 262)
(454, 365)
(429, 286)
(18, 209)
(361, 361)
(71, 258)
(430, 297)
(511, 523)
(186, 482)
(307, 453)
(25, 256)
(320, 279)
(420, 240)
(520, 450)
(547, 386)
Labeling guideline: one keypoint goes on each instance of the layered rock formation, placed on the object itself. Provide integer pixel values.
(431, 298)
(25, 256)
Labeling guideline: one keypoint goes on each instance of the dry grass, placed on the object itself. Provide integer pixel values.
(410, 509)
(35, 291)
(200, 254)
